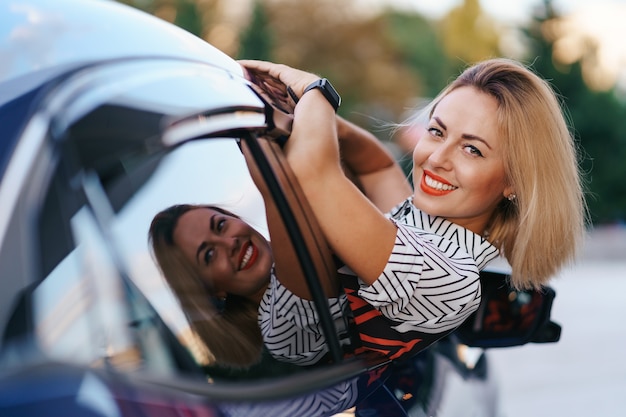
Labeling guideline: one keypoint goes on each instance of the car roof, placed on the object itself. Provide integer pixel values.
(39, 34)
(42, 41)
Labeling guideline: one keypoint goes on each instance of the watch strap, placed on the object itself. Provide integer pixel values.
(327, 89)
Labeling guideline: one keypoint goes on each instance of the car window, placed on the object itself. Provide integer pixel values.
(82, 310)
(210, 172)
(124, 158)
(82, 314)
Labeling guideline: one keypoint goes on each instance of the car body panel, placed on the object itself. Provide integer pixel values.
(38, 35)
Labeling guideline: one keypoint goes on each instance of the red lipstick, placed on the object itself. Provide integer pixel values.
(254, 253)
(430, 190)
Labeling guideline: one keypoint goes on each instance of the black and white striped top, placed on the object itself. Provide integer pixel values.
(429, 285)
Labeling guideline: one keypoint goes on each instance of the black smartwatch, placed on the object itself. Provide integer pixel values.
(327, 90)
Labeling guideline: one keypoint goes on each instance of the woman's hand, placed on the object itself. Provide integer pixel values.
(275, 79)
(313, 143)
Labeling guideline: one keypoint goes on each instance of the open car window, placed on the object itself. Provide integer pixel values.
(126, 153)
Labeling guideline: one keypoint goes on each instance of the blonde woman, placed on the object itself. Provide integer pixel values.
(495, 171)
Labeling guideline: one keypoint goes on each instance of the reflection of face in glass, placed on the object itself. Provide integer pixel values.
(459, 162)
(228, 254)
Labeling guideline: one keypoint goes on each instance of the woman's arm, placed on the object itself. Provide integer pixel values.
(354, 227)
(377, 171)
(356, 230)
(365, 159)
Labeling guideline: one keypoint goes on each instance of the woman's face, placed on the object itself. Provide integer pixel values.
(229, 255)
(459, 162)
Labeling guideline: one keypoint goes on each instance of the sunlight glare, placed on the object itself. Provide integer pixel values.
(598, 27)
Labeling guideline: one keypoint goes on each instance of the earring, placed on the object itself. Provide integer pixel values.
(511, 197)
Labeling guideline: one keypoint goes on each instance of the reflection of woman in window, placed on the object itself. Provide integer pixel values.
(221, 270)
(227, 325)
(495, 169)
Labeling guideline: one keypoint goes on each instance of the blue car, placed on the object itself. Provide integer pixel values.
(109, 115)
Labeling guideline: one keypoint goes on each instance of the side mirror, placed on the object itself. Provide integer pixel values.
(507, 317)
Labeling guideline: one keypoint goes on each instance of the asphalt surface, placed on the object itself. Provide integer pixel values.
(584, 374)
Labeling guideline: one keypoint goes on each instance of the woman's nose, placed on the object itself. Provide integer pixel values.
(228, 243)
(441, 156)
(231, 243)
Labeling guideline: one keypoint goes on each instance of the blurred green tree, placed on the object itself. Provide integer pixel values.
(597, 119)
(469, 34)
(188, 17)
(352, 48)
(257, 39)
(420, 46)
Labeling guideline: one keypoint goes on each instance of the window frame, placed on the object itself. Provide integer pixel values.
(266, 156)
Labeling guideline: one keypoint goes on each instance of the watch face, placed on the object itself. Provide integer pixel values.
(327, 90)
(330, 93)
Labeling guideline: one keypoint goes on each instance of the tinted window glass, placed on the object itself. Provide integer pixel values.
(130, 152)
(85, 312)
(209, 172)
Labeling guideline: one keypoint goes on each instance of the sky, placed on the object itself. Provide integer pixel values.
(508, 11)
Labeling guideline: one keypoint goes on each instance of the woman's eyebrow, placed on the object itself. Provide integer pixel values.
(474, 137)
(467, 136)
(442, 124)
(202, 246)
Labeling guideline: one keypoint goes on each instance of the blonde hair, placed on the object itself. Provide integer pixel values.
(541, 229)
(230, 333)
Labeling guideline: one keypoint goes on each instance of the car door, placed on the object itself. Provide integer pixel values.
(123, 141)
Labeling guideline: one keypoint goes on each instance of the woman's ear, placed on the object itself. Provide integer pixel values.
(220, 294)
(509, 193)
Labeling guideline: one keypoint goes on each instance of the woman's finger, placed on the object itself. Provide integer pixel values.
(296, 79)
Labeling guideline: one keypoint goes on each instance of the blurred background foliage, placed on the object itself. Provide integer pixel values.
(386, 61)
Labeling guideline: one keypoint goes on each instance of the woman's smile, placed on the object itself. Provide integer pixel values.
(436, 186)
(247, 256)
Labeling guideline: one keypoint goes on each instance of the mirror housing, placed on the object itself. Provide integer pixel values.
(508, 317)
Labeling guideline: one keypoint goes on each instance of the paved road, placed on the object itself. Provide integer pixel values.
(584, 374)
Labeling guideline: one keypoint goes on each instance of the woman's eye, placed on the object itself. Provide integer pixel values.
(220, 225)
(473, 150)
(435, 132)
(208, 255)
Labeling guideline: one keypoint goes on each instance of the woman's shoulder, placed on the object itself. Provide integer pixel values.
(278, 300)
(444, 234)
(279, 295)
